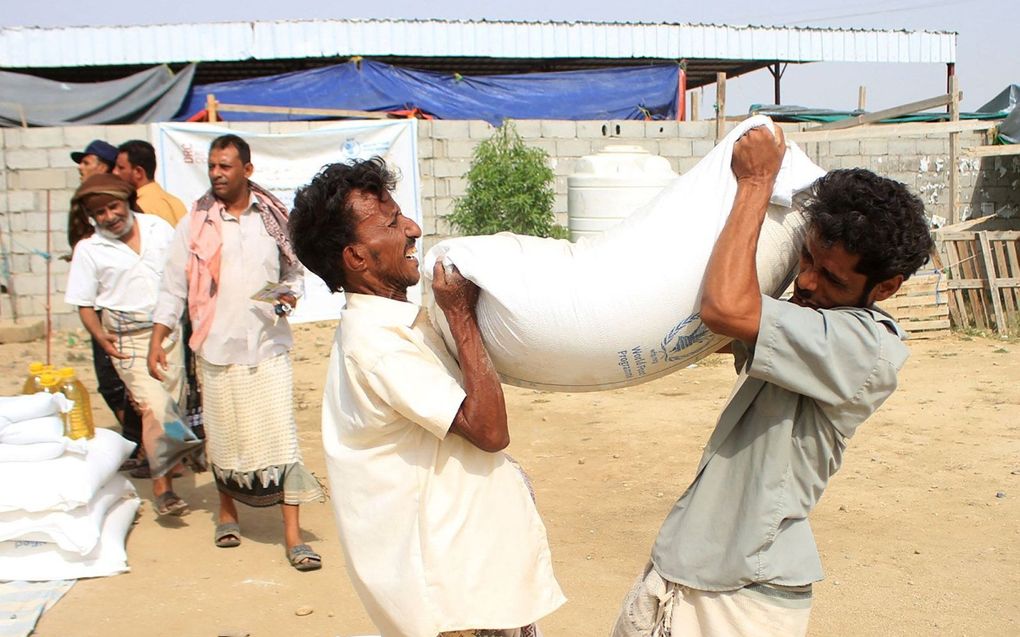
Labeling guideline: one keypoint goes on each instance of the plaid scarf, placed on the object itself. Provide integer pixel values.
(205, 243)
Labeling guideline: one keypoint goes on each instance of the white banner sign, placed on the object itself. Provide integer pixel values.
(285, 162)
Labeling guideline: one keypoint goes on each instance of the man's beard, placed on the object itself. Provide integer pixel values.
(129, 223)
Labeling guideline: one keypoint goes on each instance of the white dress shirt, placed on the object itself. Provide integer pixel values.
(244, 331)
(108, 274)
(438, 534)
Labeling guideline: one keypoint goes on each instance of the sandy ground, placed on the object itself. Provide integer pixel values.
(919, 532)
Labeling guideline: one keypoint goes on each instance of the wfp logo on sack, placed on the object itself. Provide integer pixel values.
(351, 149)
(686, 333)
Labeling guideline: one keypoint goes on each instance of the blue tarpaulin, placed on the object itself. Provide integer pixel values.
(648, 92)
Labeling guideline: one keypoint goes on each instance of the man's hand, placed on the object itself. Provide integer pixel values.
(758, 155)
(454, 294)
(108, 342)
(156, 360)
(289, 299)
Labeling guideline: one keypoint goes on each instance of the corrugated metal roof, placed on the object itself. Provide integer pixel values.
(34, 47)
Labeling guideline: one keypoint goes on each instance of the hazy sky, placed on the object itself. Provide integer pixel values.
(987, 56)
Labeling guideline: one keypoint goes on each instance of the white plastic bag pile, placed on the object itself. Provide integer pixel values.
(622, 308)
(64, 509)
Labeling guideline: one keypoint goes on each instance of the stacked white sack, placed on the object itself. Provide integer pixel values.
(64, 510)
(622, 308)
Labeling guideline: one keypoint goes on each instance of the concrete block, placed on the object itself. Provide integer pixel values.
(22, 332)
(564, 166)
(560, 184)
(560, 203)
(874, 146)
(20, 263)
(701, 147)
(27, 242)
(78, 137)
(902, 147)
(424, 129)
(117, 135)
(427, 167)
(428, 225)
(548, 145)
(30, 284)
(449, 168)
(444, 206)
(683, 164)
(558, 129)
(933, 147)
(12, 137)
(425, 148)
(427, 187)
(72, 179)
(844, 147)
(285, 128)
(442, 187)
(528, 128)
(44, 179)
(701, 129)
(571, 148)
(627, 128)
(675, 148)
(42, 137)
(439, 148)
(456, 149)
(661, 128)
(60, 158)
(457, 187)
(444, 227)
(592, 129)
(22, 200)
(22, 158)
(480, 130)
(259, 128)
(450, 129)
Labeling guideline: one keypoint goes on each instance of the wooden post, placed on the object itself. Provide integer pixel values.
(695, 104)
(954, 153)
(210, 108)
(681, 95)
(720, 106)
(862, 98)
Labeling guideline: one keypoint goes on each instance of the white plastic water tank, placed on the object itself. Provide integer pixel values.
(607, 187)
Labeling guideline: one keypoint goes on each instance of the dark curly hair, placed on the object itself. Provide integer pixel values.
(322, 223)
(873, 217)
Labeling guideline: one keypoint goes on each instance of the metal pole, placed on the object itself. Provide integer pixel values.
(49, 278)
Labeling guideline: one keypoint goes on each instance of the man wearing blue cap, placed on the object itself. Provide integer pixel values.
(97, 158)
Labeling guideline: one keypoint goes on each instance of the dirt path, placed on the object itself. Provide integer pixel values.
(913, 536)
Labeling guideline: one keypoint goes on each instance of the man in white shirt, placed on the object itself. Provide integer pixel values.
(438, 526)
(225, 251)
(117, 270)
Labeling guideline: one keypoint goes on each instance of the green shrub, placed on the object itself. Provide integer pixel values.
(510, 188)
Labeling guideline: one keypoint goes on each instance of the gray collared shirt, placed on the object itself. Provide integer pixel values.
(812, 378)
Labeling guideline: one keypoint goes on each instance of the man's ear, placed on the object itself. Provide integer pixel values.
(886, 288)
(249, 168)
(354, 258)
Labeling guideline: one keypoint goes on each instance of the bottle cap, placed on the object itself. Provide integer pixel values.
(65, 372)
(36, 367)
(48, 380)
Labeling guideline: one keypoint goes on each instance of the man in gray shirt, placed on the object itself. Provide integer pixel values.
(736, 555)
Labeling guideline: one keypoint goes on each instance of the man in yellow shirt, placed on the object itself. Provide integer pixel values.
(136, 164)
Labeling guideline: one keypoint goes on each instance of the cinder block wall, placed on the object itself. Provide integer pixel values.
(37, 175)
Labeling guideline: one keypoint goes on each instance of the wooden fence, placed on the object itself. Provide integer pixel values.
(921, 307)
(984, 273)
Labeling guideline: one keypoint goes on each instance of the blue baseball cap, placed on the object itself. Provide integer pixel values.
(99, 148)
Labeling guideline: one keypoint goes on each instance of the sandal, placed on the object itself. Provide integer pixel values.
(228, 535)
(169, 503)
(303, 558)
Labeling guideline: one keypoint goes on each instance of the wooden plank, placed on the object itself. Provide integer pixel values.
(993, 287)
(286, 110)
(920, 326)
(720, 106)
(929, 334)
(992, 151)
(912, 301)
(896, 111)
(994, 235)
(981, 284)
(956, 309)
(954, 152)
(906, 129)
(925, 313)
(1014, 271)
(1009, 296)
(210, 108)
(968, 253)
